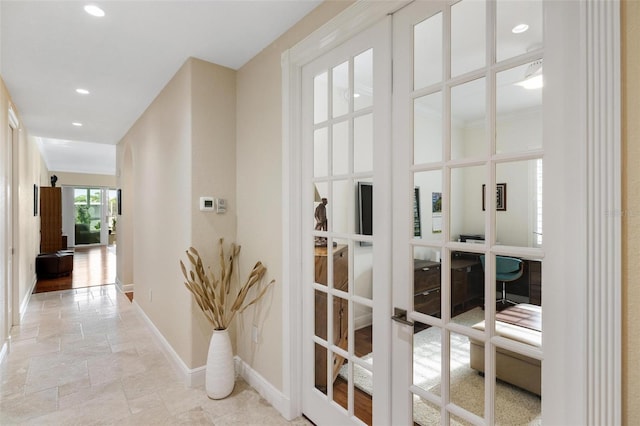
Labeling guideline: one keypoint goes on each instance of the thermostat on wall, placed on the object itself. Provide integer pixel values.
(206, 204)
(221, 205)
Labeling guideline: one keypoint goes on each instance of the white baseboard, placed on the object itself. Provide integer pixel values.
(279, 401)
(125, 288)
(27, 298)
(4, 351)
(363, 321)
(195, 377)
(192, 376)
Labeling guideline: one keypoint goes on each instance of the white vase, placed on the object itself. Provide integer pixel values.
(220, 372)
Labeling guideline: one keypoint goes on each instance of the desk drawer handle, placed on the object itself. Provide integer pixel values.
(428, 292)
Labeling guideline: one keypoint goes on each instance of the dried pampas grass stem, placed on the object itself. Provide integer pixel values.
(212, 292)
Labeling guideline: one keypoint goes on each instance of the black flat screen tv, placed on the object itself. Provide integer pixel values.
(365, 208)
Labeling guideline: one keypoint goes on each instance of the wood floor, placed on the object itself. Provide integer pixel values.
(92, 266)
(362, 401)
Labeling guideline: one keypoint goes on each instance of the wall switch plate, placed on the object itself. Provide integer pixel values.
(206, 204)
(254, 334)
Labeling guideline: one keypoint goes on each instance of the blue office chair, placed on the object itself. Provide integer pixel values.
(508, 269)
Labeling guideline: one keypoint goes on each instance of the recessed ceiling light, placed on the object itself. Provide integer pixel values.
(94, 10)
(75, 123)
(532, 83)
(82, 91)
(533, 76)
(520, 28)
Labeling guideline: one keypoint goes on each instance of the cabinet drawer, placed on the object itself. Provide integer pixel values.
(428, 304)
(427, 278)
(458, 286)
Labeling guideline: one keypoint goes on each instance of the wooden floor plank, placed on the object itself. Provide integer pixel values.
(92, 266)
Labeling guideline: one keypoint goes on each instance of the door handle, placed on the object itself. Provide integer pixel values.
(400, 315)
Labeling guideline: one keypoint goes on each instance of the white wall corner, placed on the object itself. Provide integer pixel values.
(266, 390)
(192, 377)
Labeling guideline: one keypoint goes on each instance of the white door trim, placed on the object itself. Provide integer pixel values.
(604, 239)
(583, 247)
(14, 293)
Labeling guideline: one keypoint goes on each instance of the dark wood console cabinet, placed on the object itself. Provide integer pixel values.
(50, 219)
(340, 310)
(426, 287)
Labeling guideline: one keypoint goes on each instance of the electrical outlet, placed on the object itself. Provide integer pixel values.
(254, 334)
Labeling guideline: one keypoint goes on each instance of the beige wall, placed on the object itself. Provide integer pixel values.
(83, 179)
(181, 148)
(30, 170)
(259, 187)
(631, 208)
(4, 179)
(213, 173)
(160, 221)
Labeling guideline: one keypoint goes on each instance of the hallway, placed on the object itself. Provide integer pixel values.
(84, 356)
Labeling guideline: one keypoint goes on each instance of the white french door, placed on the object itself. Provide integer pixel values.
(346, 257)
(429, 189)
(467, 116)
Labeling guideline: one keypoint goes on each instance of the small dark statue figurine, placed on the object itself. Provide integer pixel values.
(321, 222)
(54, 179)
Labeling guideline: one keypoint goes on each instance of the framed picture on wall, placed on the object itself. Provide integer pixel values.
(417, 223)
(35, 199)
(436, 212)
(501, 197)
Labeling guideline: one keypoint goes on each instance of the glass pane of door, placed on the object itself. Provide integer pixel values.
(467, 255)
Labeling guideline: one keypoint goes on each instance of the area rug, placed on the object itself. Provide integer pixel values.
(513, 405)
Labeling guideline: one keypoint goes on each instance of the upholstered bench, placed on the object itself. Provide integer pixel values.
(52, 265)
(521, 323)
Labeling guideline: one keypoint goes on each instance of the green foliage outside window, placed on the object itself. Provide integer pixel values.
(83, 215)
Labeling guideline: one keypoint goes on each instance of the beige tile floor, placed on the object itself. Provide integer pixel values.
(84, 357)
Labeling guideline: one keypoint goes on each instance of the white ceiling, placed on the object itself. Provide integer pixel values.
(50, 48)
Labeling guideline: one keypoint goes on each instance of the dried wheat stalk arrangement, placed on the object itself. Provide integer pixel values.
(212, 292)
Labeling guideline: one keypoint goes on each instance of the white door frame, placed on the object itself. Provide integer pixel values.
(14, 228)
(582, 244)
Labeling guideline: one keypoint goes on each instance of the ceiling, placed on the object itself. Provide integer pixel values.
(51, 48)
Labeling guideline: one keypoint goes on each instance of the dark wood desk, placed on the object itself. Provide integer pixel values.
(340, 310)
(465, 286)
